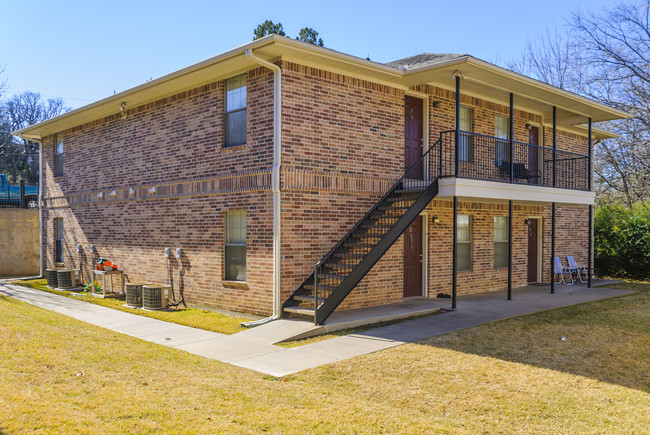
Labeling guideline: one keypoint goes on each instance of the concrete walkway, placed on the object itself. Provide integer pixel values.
(254, 349)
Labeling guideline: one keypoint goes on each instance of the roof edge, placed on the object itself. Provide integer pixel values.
(522, 78)
(328, 53)
(155, 82)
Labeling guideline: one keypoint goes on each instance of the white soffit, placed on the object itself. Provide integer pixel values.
(520, 193)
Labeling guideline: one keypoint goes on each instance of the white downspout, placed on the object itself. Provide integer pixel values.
(275, 186)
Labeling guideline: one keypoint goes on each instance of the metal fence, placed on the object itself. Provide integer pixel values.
(18, 195)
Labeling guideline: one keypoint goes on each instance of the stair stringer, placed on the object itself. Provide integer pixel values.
(375, 254)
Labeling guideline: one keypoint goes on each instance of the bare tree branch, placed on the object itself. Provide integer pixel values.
(605, 55)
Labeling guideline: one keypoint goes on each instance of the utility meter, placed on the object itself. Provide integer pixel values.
(78, 248)
(179, 252)
(168, 252)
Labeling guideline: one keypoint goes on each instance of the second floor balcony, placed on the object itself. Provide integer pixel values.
(477, 165)
(490, 158)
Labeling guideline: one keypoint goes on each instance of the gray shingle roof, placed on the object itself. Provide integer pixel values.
(424, 59)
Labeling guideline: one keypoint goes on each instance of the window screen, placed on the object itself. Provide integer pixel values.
(465, 140)
(464, 243)
(58, 240)
(501, 132)
(235, 121)
(500, 241)
(235, 246)
(58, 155)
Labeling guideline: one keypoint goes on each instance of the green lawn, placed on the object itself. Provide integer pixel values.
(203, 319)
(60, 375)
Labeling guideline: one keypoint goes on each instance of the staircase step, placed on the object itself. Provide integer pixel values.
(367, 236)
(348, 261)
(300, 310)
(382, 220)
(341, 266)
(348, 255)
(355, 245)
(310, 287)
(412, 190)
(384, 226)
(400, 199)
(331, 277)
(390, 207)
(308, 298)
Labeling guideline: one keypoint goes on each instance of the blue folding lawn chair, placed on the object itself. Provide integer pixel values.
(578, 270)
(559, 271)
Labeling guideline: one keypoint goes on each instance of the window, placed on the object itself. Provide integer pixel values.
(464, 243)
(58, 155)
(58, 240)
(235, 123)
(501, 132)
(500, 241)
(235, 253)
(465, 141)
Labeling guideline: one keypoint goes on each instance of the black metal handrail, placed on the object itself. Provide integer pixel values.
(329, 271)
(490, 158)
(412, 169)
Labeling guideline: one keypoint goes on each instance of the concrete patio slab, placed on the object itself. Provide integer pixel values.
(230, 348)
(351, 345)
(288, 361)
(178, 335)
(339, 320)
(253, 349)
(279, 330)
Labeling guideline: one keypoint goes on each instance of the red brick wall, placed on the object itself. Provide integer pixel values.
(134, 235)
(571, 230)
(323, 216)
(165, 181)
(343, 147)
(174, 146)
(335, 123)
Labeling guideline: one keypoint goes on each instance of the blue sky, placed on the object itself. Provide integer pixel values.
(82, 51)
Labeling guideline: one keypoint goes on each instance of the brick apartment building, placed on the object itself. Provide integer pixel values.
(283, 169)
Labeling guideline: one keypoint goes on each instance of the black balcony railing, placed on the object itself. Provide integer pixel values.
(489, 158)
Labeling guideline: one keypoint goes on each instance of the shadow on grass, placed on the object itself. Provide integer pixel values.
(607, 340)
(9, 300)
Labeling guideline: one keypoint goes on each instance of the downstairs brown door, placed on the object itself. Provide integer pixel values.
(413, 259)
(413, 135)
(532, 250)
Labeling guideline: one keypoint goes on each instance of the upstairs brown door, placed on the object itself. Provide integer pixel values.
(532, 250)
(534, 174)
(413, 135)
(413, 259)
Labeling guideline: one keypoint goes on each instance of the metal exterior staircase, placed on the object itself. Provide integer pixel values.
(341, 269)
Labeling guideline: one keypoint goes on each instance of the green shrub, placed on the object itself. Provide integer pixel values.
(622, 240)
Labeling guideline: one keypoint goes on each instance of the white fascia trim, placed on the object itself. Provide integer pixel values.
(491, 190)
(521, 78)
